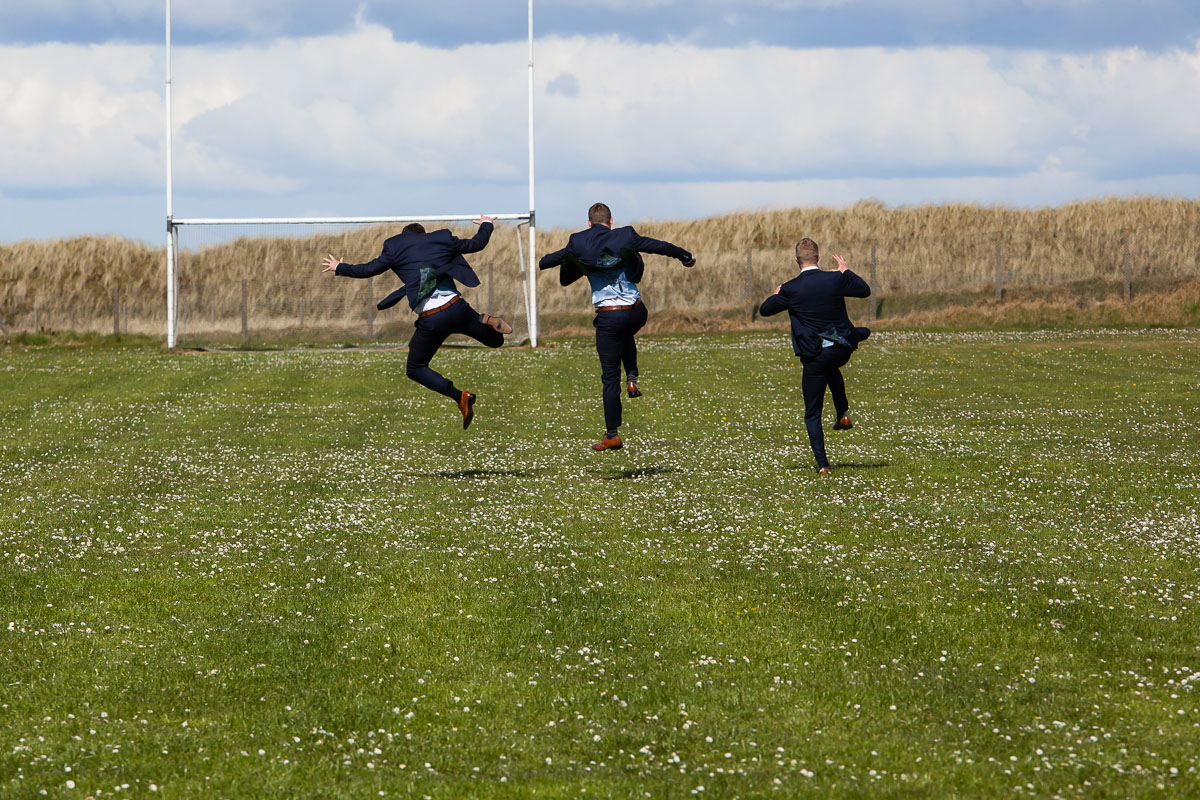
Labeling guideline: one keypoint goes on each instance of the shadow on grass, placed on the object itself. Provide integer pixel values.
(471, 474)
(644, 472)
(841, 465)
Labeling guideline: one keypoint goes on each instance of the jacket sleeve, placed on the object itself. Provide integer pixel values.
(374, 267)
(476, 242)
(854, 286)
(552, 259)
(773, 305)
(644, 244)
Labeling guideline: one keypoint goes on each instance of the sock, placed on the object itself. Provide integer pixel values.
(610, 434)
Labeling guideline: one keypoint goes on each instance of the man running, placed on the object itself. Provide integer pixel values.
(822, 336)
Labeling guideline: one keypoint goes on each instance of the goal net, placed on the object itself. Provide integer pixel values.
(240, 282)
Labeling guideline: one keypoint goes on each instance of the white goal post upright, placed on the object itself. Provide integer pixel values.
(170, 222)
(533, 267)
(528, 276)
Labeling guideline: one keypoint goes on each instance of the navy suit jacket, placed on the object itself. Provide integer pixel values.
(816, 302)
(590, 250)
(407, 253)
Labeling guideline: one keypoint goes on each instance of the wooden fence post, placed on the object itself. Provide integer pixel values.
(1128, 271)
(999, 271)
(245, 326)
(212, 314)
(116, 312)
(302, 313)
(36, 322)
(874, 287)
(370, 308)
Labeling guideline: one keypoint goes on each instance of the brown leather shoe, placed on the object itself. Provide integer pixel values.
(496, 323)
(843, 424)
(824, 471)
(633, 389)
(466, 404)
(606, 443)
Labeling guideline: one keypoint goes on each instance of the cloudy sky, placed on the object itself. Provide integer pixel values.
(662, 108)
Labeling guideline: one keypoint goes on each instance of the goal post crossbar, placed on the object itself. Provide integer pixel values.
(522, 217)
(528, 219)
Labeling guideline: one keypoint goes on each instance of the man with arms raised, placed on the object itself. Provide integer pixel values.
(610, 259)
(822, 336)
(428, 264)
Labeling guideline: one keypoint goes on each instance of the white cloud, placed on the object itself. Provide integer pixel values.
(361, 112)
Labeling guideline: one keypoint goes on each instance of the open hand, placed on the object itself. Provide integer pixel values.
(330, 263)
(484, 218)
(778, 289)
(841, 263)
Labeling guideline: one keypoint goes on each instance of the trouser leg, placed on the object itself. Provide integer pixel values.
(812, 383)
(837, 390)
(610, 345)
(471, 325)
(424, 344)
(636, 319)
(629, 357)
(838, 357)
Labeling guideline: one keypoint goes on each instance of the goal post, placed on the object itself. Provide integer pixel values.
(528, 269)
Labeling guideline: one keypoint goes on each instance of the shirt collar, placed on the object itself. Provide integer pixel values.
(806, 269)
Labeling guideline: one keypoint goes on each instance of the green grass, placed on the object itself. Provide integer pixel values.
(292, 574)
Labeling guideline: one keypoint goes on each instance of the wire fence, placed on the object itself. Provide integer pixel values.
(272, 289)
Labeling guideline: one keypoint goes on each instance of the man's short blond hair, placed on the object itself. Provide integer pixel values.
(807, 251)
(600, 214)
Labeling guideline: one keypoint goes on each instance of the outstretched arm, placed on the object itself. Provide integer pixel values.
(773, 304)
(644, 244)
(552, 259)
(852, 285)
(481, 237)
(338, 267)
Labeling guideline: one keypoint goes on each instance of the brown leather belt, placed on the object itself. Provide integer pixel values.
(618, 308)
(442, 307)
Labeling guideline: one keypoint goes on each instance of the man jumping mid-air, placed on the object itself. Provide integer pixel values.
(610, 259)
(428, 264)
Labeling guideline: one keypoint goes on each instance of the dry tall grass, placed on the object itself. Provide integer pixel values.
(933, 251)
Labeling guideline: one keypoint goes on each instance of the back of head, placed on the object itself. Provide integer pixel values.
(807, 252)
(414, 227)
(599, 214)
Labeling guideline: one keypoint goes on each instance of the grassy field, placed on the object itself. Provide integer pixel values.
(292, 574)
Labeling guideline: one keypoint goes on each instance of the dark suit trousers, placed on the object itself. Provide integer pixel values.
(821, 371)
(615, 346)
(432, 331)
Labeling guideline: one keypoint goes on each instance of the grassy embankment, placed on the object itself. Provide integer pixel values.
(935, 268)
